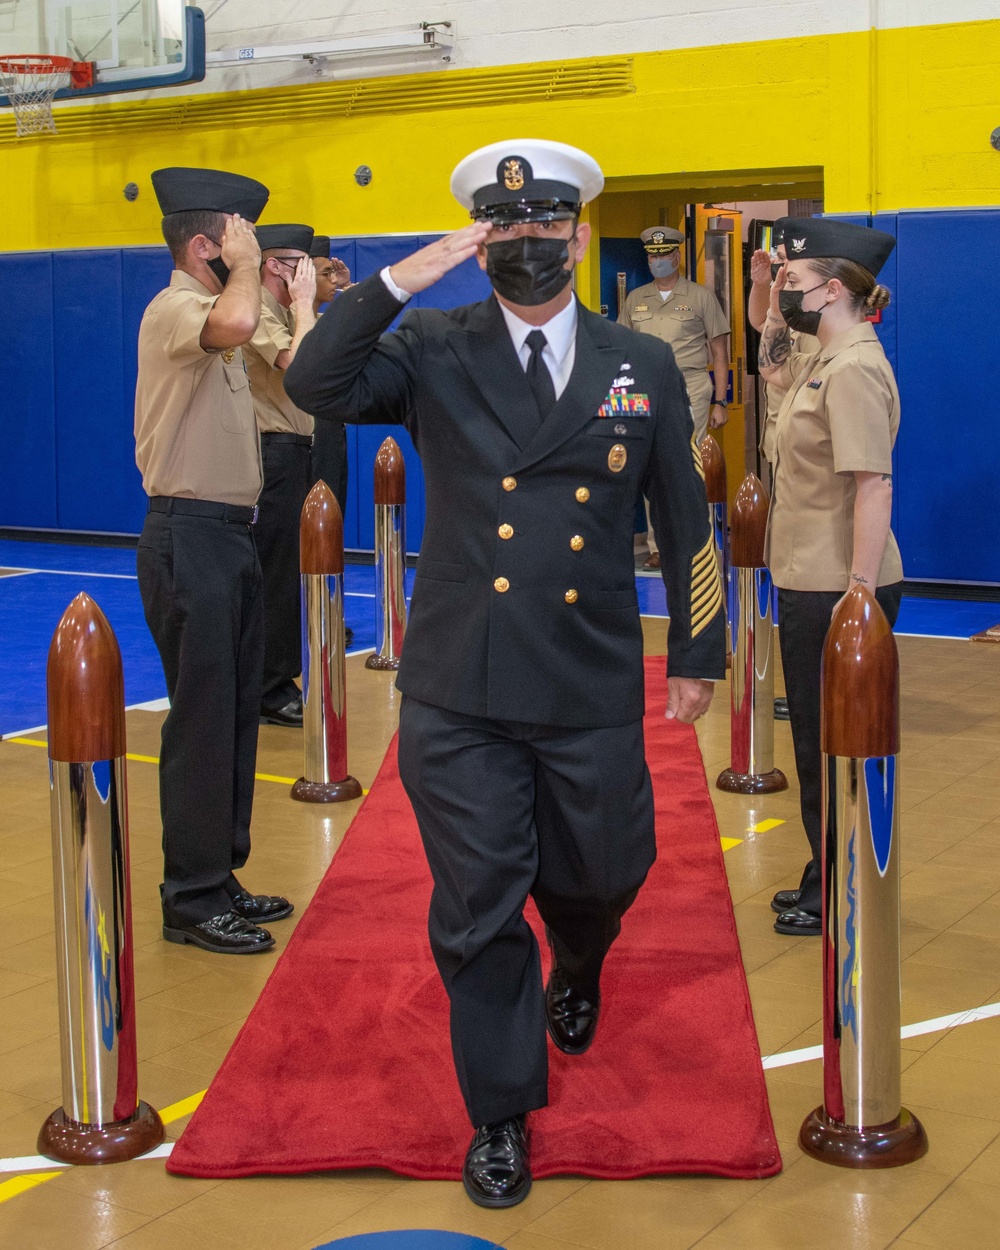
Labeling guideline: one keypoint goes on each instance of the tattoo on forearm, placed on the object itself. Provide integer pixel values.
(856, 577)
(775, 346)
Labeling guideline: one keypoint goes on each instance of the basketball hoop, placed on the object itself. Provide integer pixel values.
(30, 83)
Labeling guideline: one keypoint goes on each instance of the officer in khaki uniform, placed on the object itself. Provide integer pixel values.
(828, 528)
(197, 449)
(288, 288)
(688, 317)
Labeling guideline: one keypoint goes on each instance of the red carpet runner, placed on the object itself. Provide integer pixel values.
(345, 1061)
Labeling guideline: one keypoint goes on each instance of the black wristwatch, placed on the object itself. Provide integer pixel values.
(720, 403)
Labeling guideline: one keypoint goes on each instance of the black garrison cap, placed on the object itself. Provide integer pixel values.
(295, 238)
(320, 249)
(808, 238)
(180, 190)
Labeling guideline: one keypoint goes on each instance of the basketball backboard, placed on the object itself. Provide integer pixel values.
(134, 45)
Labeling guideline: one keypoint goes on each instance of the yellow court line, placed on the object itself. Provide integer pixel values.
(765, 825)
(152, 759)
(729, 843)
(177, 1110)
(20, 1184)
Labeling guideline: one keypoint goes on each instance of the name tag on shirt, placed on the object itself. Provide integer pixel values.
(641, 308)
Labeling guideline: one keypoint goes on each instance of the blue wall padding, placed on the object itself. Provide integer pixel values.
(27, 397)
(70, 319)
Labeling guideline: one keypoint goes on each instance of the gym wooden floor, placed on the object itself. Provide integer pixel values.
(191, 1005)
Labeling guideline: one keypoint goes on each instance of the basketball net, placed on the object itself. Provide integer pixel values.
(30, 83)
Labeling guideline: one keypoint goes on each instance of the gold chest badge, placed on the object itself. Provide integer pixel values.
(228, 356)
(616, 458)
(513, 174)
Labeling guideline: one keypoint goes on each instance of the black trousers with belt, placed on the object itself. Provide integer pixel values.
(507, 810)
(329, 458)
(803, 622)
(286, 462)
(200, 582)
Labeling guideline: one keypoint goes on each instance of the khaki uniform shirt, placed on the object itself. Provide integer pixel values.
(807, 345)
(195, 433)
(688, 320)
(839, 417)
(276, 414)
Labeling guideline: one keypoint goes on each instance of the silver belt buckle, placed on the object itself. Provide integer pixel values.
(253, 519)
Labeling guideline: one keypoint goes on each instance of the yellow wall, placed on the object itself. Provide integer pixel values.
(900, 119)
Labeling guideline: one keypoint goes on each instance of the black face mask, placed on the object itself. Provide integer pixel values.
(528, 271)
(219, 267)
(790, 304)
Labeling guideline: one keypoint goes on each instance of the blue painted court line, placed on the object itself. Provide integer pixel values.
(945, 618)
(69, 556)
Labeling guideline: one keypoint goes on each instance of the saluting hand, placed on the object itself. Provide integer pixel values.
(688, 698)
(777, 286)
(239, 243)
(424, 268)
(340, 274)
(760, 267)
(302, 287)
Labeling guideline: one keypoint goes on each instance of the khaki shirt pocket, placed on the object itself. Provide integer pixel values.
(236, 406)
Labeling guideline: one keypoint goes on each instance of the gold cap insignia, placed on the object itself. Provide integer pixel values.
(616, 458)
(658, 237)
(513, 174)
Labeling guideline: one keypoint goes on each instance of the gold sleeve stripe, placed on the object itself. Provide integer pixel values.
(699, 468)
(706, 586)
(707, 614)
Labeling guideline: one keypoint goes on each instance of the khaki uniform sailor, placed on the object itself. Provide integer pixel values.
(286, 436)
(197, 449)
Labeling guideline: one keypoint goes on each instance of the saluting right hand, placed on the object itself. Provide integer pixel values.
(760, 267)
(424, 268)
(777, 286)
(239, 243)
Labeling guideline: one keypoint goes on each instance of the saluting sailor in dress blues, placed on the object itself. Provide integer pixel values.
(539, 425)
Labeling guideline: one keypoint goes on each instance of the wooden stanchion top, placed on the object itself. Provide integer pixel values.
(86, 691)
(390, 474)
(748, 524)
(714, 464)
(860, 680)
(321, 532)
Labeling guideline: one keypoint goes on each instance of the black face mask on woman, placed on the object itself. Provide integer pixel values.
(797, 317)
(527, 270)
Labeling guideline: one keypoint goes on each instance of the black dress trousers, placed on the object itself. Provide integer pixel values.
(329, 458)
(286, 464)
(506, 810)
(200, 583)
(804, 620)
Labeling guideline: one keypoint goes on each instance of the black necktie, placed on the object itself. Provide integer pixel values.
(539, 378)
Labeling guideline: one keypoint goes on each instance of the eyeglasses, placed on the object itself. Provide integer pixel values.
(288, 260)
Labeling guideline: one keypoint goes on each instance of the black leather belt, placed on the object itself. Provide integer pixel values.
(298, 440)
(234, 513)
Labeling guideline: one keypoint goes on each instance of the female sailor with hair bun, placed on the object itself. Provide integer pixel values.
(829, 524)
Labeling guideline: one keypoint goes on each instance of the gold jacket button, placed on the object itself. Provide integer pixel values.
(582, 494)
(502, 585)
(576, 542)
(571, 596)
(509, 483)
(506, 531)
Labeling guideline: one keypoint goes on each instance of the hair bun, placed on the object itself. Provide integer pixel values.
(877, 298)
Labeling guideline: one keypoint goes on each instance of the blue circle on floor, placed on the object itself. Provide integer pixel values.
(412, 1239)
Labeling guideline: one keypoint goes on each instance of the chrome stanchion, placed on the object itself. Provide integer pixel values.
(751, 768)
(390, 556)
(101, 1119)
(862, 1123)
(716, 488)
(324, 669)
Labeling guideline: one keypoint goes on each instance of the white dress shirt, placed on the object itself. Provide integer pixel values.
(559, 352)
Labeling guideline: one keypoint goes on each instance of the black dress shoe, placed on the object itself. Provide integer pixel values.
(799, 923)
(781, 709)
(496, 1172)
(570, 1018)
(290, 714)
(261, 908)
(785, 900)
(228, 934)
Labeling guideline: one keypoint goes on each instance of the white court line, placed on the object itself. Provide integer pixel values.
(128, 577)
(940, 1023)
(36, 1163)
